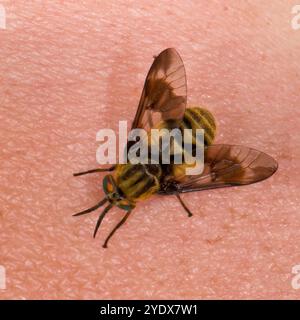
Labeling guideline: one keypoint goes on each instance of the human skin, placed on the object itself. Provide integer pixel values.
(71, 68)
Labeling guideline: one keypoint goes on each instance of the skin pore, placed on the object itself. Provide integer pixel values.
(69, 69)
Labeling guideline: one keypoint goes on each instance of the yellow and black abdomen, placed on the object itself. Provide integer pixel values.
(138, 181)
(200, 118)
(195, 118)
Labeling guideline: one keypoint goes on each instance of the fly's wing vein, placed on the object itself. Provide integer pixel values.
(165, 91)
(225, 166)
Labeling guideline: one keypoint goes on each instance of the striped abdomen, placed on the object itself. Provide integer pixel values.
(195, 118)
(199, 118)
(138, 181)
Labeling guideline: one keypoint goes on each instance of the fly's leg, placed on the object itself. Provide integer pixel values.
(116, 228)
(184, 206)
(112, 168)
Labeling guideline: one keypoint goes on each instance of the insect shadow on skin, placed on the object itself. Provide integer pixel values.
(163, 104)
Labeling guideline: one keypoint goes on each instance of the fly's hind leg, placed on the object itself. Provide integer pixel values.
(112, 168)
(184, 206)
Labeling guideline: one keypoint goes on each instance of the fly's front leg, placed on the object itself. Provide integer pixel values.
(112, 168)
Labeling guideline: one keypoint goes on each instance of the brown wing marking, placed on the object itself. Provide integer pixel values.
(164, 93)
(225, 166)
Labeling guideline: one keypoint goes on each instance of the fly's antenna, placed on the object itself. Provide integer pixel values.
(98, 205)
(102, 215)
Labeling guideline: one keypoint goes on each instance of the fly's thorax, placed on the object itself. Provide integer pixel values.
(138, 181)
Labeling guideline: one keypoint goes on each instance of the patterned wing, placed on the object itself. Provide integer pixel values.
(164, 93)
(225, 166)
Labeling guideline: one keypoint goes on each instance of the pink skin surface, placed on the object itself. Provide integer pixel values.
(71, 68)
